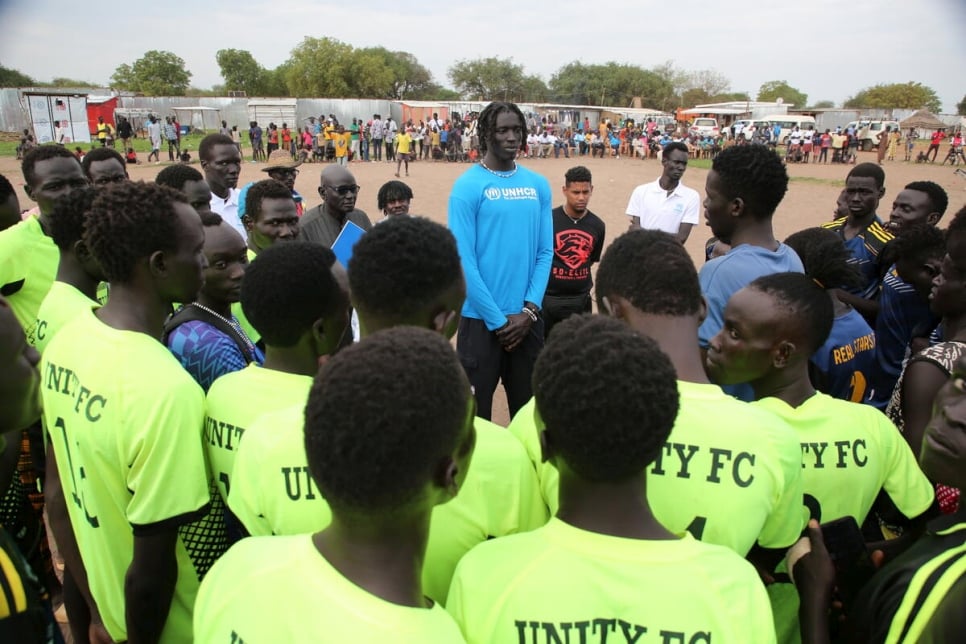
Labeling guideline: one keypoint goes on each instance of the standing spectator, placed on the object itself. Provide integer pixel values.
(221, 163)
(171, 136)
(340, 141)
(499, 213)
(255, 138)
(102, 129)
(339, 191)
(578, 239)
(882, 145)
(124, 131)
(910, 143)
(354, 140)
(154, 133)
(272, 138)
(404, 143)
(934, 142)
(236, 137)
(378, 132)
(825, 142)
(667, 204)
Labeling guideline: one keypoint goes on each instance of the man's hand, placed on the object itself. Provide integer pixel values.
(512, 334)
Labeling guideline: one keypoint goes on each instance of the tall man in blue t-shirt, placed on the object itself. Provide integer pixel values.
(743, 189)
(500, 215)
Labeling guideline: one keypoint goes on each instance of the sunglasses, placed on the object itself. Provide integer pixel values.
(344, 190)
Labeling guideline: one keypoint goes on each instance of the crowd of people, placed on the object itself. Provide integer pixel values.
(241, 428)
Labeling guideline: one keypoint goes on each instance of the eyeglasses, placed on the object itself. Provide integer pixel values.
(344, 190)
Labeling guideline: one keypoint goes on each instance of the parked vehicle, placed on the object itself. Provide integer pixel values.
(789, 121)
(704, 127)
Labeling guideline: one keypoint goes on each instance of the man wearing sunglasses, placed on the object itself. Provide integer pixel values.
(338, 190)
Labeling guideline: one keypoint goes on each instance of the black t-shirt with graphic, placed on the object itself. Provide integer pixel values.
(576, 246)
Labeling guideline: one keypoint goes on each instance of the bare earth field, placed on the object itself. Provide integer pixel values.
(810, 200)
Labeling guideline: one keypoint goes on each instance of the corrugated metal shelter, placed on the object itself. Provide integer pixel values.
(43, 108)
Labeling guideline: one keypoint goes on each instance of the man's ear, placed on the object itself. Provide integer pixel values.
(248, 222)
(613, 305)
(29, 190)
(447, 476)
(881, 192)
(783, 354)
(702, 311)
(157, 263)
(737, 207)
(932, 218)
(320, 341)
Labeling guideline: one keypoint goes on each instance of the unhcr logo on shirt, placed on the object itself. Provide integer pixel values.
(510, 193)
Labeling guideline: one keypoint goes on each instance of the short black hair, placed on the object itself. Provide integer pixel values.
(577, 174)
(381, 417)
(42, 153)
(808, 307)
(69, 215)
(402, 266)
(392, 191)
(873, 170)
(674, 145)
(261, 190)
(756, 174)
(101, 154)
(608, 396)
(825, 258)
(288, 289)
(958, 223)
(487, 122)
(127, 222)
(937, 196)
(206, 148)
(210, 219)
(6, 188)
(651, 270)
(175, 176)
(919, 241)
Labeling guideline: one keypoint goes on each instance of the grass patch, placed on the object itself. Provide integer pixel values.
(819, 180)
(140, 145)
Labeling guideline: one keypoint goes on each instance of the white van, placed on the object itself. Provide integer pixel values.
(787, 122)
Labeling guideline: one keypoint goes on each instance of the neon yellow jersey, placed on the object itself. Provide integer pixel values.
(563, 584)
(845, 446)
(280, 589)
(235, 401)
(236, 310)
(729, 474)
(62, 305)
(125, 420)
(273, 493)
(848, 446)
(28, 264)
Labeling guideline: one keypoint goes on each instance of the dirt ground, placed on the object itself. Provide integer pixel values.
(810, 200)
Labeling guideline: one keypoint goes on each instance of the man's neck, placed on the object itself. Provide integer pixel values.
(667, 183)
(300, 360)
(757, 233)
(573, 215)
(131, 309)
(677, 337)
(617, 510)
(69, 271)
(220, 307)
(491, 161)
(384, 557)
(339, 216)
(790, 384)
(860, 222)
(222, 192)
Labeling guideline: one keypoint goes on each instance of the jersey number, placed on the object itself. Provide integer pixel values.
(75, 487)
(857, 387)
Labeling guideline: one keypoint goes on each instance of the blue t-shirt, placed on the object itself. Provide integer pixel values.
(847, 358)
(206, 352)
(723, 276)
(504, 233)
(865, 249)
(902, 314)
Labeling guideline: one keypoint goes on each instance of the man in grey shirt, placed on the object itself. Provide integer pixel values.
(338, 190)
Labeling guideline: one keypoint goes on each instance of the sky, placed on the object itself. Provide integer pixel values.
(828, 49)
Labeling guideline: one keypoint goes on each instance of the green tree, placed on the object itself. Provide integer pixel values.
(70, 82)
(157, 73)
(320, 67)
(496, 79)
(909, 95)
(729, 97)
(392, 74)
(961, 107)
(241, 71)
(13, 78)
(773, 90)
(611, 83)
(823, 105)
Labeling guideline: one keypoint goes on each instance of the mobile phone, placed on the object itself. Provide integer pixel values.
(846, 547)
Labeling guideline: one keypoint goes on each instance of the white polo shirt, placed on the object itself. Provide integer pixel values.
(659, 211)
(228, 209)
